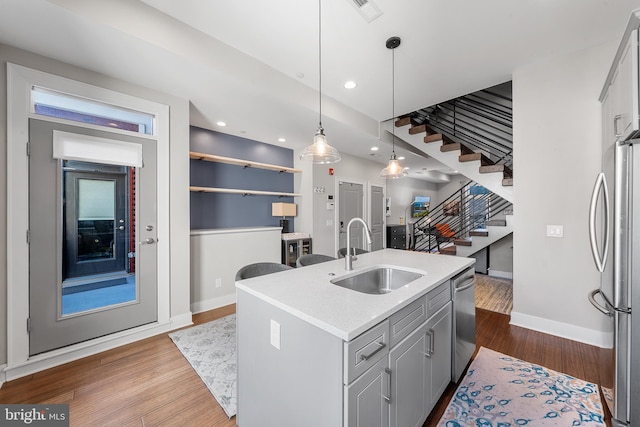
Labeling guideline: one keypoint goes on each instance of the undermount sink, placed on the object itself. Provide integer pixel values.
(379, 280)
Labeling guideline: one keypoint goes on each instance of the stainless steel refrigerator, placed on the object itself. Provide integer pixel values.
(615, 242)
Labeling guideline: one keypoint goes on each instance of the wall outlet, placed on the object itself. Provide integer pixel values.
(219, 282)
(555, 231)
(275, 334)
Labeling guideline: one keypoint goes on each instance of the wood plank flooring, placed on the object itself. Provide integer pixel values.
(149, 383)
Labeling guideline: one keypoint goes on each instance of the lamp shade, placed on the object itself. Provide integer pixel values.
(283, 209)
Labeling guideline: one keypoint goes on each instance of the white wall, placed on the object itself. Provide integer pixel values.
(216, 255)
(557, 140)
(349, 168)
(178, 167)
(402, 192)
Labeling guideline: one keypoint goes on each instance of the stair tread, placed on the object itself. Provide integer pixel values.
(449, 250)
(434, 138)
(470, 157)
(497, 222)
(463, 242)
(507, 182)
(479, 232)
(506, 171)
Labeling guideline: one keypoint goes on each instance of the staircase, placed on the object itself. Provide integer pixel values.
(471, 134)
(467, 221)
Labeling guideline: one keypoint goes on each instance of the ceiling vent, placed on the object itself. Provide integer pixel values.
(367, 9)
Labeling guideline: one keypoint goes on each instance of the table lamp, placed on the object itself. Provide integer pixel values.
(283, 210)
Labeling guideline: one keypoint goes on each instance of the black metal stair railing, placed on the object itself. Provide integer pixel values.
(467, 209)
(482, 121)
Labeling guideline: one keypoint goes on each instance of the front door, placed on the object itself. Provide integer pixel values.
(92, 230)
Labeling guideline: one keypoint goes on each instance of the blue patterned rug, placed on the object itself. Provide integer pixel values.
(211, 349)
(502, 391)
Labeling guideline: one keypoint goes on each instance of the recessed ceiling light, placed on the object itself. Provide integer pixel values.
(400, 157)
(374, 148)
(282, 140)
(221, 123)
(350, 84)
(407, 168)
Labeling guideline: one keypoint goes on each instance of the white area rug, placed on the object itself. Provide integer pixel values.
(211, 349)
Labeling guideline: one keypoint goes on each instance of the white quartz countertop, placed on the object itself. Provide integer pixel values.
(308, 294)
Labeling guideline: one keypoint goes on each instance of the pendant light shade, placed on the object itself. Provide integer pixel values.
(320, 151)
(393, 170)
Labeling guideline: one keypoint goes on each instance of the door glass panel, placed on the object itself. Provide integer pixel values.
(96, 221)
(51, 103)
(98, 231)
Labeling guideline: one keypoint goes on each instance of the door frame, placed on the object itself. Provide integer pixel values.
(20, 81)
(371, 184)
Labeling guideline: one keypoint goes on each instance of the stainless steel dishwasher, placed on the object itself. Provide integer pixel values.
(464, 321)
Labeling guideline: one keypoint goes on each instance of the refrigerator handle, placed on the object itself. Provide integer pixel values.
(601, 184)
(592, 300)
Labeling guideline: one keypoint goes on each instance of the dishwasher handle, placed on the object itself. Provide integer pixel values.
(465, 285)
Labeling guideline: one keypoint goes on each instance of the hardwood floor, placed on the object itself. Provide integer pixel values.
(149, 383)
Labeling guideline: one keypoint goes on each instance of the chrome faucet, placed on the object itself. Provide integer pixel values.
(348, 258)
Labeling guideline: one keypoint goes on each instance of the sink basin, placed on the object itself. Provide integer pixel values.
(379, 280)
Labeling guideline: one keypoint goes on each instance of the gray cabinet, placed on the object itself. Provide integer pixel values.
(420, 370)
(366, 399)
(397, 236)
(390, 375)
(408, 379)
(439, 354)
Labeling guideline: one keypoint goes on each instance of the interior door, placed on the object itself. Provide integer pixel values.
(351, 205)
(95, 218)
(376, 222)
(72, 203)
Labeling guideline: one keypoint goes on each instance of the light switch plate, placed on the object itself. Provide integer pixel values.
(275, 334)
(555, 231)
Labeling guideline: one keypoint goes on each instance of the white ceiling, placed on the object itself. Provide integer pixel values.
(254, 64)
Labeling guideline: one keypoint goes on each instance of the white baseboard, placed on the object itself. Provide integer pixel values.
(210, 304)
(500, 274)
(78, 351)
(3, 376)
(563, 330)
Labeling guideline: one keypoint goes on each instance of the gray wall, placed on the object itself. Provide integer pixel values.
(557, 146)
(179, 170)
(220, 210)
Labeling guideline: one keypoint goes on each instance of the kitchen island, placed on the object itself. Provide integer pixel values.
(312, 353)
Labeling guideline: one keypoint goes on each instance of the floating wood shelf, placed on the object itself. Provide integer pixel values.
(240, 162)
(242, 192)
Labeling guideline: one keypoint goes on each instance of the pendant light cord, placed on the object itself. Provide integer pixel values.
(393, 100)
(320, 62)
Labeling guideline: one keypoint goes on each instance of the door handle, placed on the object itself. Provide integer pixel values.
(592, 300)
(148, 241)
(601, 184)
(615, 125)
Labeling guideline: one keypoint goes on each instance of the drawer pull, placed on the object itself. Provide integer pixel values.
(431, 336)
(388, 398)
(380, 345)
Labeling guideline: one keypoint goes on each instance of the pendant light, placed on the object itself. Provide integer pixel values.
(320, 151)
(393, 170)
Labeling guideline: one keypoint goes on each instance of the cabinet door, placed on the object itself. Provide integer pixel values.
(408, 363)
(367, 398)
(624, 86)
(439, 347)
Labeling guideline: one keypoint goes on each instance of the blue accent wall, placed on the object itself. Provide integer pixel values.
(221, 210)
